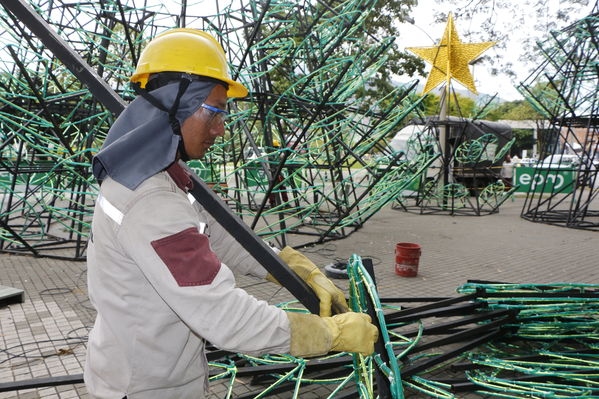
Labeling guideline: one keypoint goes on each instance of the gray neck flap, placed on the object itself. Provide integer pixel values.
(141, 142)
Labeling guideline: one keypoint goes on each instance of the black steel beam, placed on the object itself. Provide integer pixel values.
(217, 354)
(455, 310)
(73, 61)
(434, 305)
(446, 328)
(466, 334)
(17, 237)
(413, 299)
(41, 382)
(425, 365)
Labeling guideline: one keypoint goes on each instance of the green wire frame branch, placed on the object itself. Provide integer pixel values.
(300, 153)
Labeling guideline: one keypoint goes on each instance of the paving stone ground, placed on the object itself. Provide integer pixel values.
(46, 335)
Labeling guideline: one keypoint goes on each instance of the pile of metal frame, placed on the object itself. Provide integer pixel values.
(495, 339)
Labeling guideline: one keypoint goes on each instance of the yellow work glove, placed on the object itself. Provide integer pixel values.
(332, 300)
(312, 335)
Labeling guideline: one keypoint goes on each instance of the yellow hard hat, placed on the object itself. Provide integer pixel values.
(186, 50)
(276, 143)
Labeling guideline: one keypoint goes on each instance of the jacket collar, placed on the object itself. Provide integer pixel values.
(180, 176)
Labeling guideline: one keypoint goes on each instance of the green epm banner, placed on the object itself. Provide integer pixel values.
(539, 180)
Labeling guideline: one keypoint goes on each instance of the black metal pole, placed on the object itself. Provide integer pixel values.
(41, 382)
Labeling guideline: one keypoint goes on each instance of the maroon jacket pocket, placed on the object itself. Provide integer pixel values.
(188, 256)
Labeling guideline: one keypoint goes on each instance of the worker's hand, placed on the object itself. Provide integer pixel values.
(312, 335)
(332, 299)
(354, 332)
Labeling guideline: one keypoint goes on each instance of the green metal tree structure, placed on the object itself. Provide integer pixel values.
(564, 90)
(296, 158)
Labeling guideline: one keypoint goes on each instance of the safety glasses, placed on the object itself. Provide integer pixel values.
(215, 114)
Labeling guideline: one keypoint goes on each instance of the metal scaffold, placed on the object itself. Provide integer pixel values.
(297, 154)
(564, 187)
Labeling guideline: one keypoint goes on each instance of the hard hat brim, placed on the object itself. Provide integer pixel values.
(235, 89)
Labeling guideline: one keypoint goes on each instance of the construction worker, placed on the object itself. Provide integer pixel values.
(160, 267)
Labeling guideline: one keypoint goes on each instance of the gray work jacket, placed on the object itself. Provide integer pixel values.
(157, 282)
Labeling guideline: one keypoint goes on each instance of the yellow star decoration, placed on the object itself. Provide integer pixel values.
(450, 58)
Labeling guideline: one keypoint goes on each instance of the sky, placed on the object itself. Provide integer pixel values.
(425, 32)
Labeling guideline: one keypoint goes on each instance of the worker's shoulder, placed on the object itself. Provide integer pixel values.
(154, 188)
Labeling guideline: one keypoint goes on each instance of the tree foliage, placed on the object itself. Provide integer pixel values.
(501, 20)
(524, 140)
(383, 21)
(513, 110)
(464, 107)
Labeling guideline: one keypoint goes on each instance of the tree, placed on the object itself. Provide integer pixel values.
(524, 140)
(384, 21)
(504, 20)
(513, 110)
(466, 107)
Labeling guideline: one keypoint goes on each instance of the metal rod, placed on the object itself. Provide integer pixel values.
(473, 332)
(41, 382)
(446, 327)
(411, 370)
(466, 308)
(383, 383)
(445, 302)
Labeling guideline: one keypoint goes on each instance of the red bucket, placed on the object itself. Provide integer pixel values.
(407, 256)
